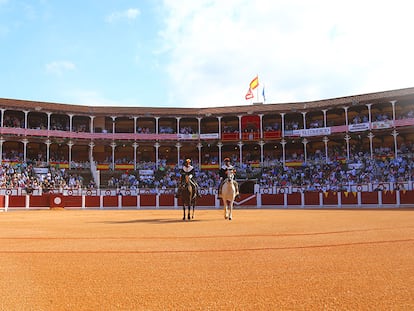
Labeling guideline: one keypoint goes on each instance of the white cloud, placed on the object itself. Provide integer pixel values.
(301, 50)
(59, 67)
(128, 14)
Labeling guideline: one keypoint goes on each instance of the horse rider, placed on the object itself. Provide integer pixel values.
(225, 169)
(189, 170)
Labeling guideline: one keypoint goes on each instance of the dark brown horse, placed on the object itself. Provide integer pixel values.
(188, 197)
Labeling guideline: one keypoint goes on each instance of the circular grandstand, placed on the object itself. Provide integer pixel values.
(353, 150)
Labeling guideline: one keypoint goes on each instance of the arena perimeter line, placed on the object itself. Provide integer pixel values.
(210, 250)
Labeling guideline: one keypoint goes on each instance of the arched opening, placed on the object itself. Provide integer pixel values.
(247, 186)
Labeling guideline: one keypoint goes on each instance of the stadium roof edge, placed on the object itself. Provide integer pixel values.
(330, 103)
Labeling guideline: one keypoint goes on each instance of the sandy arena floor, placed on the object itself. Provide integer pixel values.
(261, 260)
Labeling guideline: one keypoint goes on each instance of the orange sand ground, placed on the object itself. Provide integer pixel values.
(261, 260)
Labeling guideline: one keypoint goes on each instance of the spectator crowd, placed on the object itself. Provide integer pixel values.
(314, 175)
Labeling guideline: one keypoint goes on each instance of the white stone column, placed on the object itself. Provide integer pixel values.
(157, 161)
(283, 143)
(325, 141)
(70, 122)
(282, 114)
(48, 143)
(113, 146)
(178, 146)
(219, 146)
(324, 117)
(2, 116)
(25, 118)
(219, 127)
(393, 111)
(395, 134)
(91, 130)
(371, 149)
(157, 119)
(48, 120)
(240, 128)
(304, 119)
(1, 148)
(261, 144)
(199, 126)
(25, 142)
(369, 115)
(346, 117)
(261, 125)
(113, 124)
(135, 145)
(178, 124)
(347, 139)
(240, 144)
(70, 145)
(305, 143)
(199, 146)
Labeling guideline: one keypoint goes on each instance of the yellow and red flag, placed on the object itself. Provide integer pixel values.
(255, 83)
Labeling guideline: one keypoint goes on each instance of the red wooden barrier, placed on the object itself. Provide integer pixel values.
(369, 197)
(17, 201)
(39, 201)
(110, 201)
(92, 201)
(148, 200)
(349, 198)
(206, 200)
(330, 198)
(389, 197)
(129, 201)
(72, 201)
(294, 199)
(311, 198)
(406, 197)
(166, 200)
(273, 199)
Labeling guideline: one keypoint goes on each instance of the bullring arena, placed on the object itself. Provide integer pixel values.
(272, 259)
(324, 221)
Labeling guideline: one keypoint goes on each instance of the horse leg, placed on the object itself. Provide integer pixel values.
(193, 210)
(226, 213)
(184, 211)
(231, 210)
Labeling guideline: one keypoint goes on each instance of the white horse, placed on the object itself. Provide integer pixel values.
(228, 194)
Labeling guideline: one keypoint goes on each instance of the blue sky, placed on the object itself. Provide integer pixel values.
(202, 53)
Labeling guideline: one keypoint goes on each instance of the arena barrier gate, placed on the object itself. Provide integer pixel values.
(110, 199)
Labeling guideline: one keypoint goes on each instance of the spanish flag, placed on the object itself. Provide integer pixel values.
(255, 83)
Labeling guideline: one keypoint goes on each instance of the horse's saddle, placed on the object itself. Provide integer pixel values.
(183, 185)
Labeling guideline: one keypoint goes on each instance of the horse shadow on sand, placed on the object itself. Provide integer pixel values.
(151, 221)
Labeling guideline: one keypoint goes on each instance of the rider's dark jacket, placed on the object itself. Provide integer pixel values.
(187, 170)
(224, 169)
